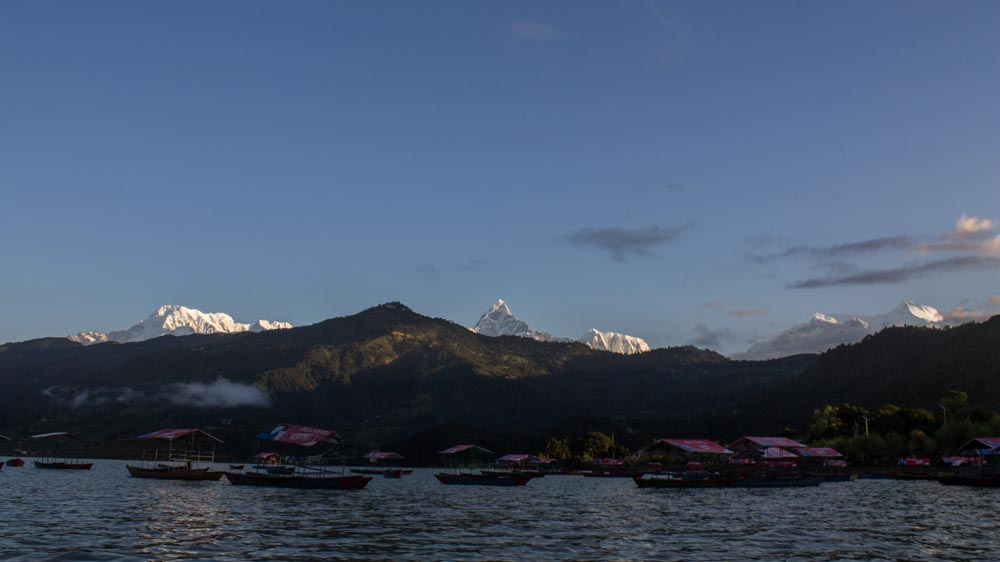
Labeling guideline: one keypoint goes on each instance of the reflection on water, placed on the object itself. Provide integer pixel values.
(105, 515)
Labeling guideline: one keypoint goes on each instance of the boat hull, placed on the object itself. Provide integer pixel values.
(299, 482)
(483, 479)
(63, 465)
(678, 483)
(14, 463)
(777, 482)
(981, 482)
(173, 473)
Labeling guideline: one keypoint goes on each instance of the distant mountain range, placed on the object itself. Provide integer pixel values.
(499, 321)
(389, 377)
(823, 332)
(177, 320)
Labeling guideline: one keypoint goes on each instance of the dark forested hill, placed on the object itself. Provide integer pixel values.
(387, 375)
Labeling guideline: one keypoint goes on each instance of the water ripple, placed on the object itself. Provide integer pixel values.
(104, 515)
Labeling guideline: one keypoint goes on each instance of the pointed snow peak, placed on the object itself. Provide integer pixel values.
(923, 312)
(500, 307)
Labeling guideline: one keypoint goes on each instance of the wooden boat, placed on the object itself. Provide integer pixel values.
(64, 465)
(347, 482)
(531, 473)
(987, 481)
(679, 482)
(15, 463)
(608, 474)
(236, 466)
(779, 482)
(471, 479)
(280, 470)
(174, 473)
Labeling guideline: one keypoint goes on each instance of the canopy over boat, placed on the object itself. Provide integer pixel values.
(515, 457)
(383, 456)
(777, 453)
(462, 448)
(701, 446)
(982, 445)
(267, 455)
(818, 453)
(299, 435)
(53, 434)
(171, 434)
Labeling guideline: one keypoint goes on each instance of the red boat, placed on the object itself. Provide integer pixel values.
(64, 465)
(191, 460)
(14, 463)
(491, 479)
(347, 482)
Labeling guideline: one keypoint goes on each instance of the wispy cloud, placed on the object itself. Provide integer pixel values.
(221, 393)
(902, 273)
(743, 313)
(624, 242)
(707, 337)
(836, 251)
(995, 300)
(531, 29)
(963, 314)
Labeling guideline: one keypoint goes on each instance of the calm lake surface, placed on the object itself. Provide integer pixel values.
(105, 515)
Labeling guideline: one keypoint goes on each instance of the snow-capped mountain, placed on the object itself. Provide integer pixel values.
(823, 332)
(178, 321)
(499, 321)
(611, 341)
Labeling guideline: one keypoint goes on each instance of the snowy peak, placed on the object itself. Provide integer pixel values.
(614, 342)
(499, 321)
(178, 321)
(824, 332)
(908, 314)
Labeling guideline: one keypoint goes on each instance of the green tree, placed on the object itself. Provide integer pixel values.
(557, 449)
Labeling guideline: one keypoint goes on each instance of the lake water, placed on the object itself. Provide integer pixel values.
(105, 515)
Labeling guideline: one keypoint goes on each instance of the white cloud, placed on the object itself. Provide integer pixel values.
(972, 226)
(223, 392)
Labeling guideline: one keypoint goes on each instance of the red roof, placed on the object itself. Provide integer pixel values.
(777, 453)
(53, 434)
(691, 446)
(382, 456)
(818, 452)
(982, 443)
(773, 442)
(514, 457)
(610, 462)
(170, 434)
(460, 448)
(298, 435)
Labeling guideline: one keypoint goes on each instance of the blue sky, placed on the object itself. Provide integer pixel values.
(667, 170)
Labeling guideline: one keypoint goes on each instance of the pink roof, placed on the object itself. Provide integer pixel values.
(53, 434)
(460, 448)
(170, 434)
(610, 462)
(990, 443)
(382, 456)
(777, 453)
(818, 452)
(516, 457)
(298, 435)
(692, 446)
(543, 461)
(774, 442)
(266, 456)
